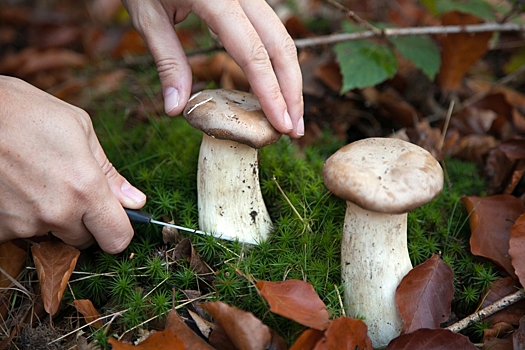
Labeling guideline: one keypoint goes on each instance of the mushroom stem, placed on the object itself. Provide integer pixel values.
(229, 196)
(374, 258)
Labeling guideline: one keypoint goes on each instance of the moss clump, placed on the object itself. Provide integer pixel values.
(160, 157)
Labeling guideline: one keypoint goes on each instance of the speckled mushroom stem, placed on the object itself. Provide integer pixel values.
(229, 196)
(374, 259)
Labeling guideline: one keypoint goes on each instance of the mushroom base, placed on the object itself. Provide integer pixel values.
(229, 196)
(374, 259)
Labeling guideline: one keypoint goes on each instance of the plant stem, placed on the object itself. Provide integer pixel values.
(489, 310)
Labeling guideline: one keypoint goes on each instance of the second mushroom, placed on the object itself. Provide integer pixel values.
(230, 202)
(381, 180)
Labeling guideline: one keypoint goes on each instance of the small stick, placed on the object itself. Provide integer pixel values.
(489, 310)
(356, 18)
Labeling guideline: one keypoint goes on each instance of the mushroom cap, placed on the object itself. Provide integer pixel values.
(384, 175)
(231, 115)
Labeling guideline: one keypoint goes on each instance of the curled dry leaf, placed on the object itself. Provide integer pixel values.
(12, 261)
(296, 300)
(54, 262)
(425, 294)
(164, 340)
(189, 337)
(308, 340)
(244, 330)
(86, 308)
(517, 248)
(491, 219)
(345, 333)
(431, 339)
(459, 51)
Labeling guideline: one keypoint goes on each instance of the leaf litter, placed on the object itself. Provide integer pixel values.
(486, 128)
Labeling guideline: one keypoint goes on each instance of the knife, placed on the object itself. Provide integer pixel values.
(142, 217)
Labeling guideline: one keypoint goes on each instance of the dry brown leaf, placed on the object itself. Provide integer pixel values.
(296, 300)
(12, 261)
(244, 330)
(425, 294)
(431, 339)
(518, 338)
(459, 51)
(491, 219)
(164, 340)
(517, 248)
(54, 262)
(189, 337)
(86, 308)
(345, 333)
(308, 339)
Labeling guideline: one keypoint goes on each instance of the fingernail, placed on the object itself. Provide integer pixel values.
(287, 121)
(132, 193)
(300, 127)
(171, 99)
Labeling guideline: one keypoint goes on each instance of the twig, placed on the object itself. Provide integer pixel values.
(489, 310)
(445, 127)
(356, 18)
(388, 32)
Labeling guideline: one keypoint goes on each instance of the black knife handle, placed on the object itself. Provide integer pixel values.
(138, 216)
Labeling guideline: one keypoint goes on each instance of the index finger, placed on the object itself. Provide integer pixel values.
(243, 42)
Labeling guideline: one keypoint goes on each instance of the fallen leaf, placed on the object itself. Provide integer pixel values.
(130, 43)
(517, 248)
(308, 339)
(205, 327)
(491, 219)
(498, 330)
(243, 328)
(189, 337)
(518, 338)
(296, 300)
(345, 333)
(498, 344)
(164, 340)
(12, 262)
(497, 291)
(54, 262)
(459, 51)
(425, 294)
(220, 340)
(86, 308)
(431, 339)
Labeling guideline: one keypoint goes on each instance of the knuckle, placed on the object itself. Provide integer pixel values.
(256, 55)
(166, 67)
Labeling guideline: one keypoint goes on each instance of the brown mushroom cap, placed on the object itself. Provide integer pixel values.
(231, 115)
(384, 175)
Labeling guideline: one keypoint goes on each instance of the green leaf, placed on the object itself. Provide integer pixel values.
(364, 63)
(478, 8)
(422, 51)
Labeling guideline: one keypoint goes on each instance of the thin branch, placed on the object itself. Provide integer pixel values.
(395, 32)
(351, 14)
(489, 310)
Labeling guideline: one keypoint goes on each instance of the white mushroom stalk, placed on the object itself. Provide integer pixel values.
(381, 180)
(229, 196)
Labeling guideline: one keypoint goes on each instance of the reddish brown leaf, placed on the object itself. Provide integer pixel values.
(243, 328)
(517, 248)
(165, 340)
(498, 344)
(345, 333)
(296, 300)
(220, 340)
(54, 262)
(86, 308)
(491, 219)
(12, 261)
(459, 51)
(425, 295)
(518, 338)
(308, 340)
(189, 337)
(498, 290)
(130, 43)
(431, 339)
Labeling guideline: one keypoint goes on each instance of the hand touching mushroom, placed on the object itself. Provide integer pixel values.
(381, 180)
(229, 196)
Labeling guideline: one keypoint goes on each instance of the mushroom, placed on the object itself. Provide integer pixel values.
(230, 202)
(381, 180)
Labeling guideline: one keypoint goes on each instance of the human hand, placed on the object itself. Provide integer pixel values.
(251, 33)
(54, 175)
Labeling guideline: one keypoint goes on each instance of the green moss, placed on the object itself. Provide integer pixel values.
(160, 157)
